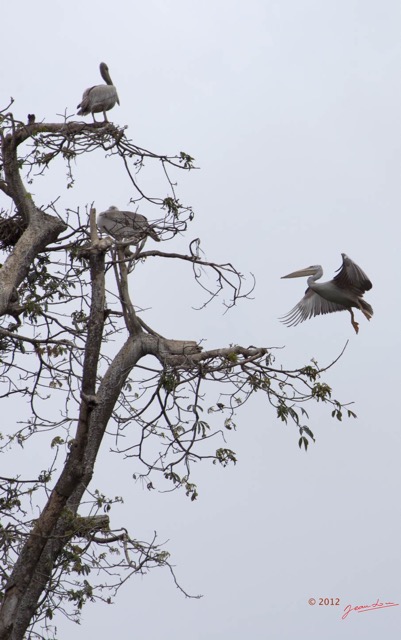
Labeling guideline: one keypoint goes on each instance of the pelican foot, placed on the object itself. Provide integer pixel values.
(355, 325)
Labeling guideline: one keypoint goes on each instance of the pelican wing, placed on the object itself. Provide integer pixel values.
(351, 277)
(101, 97)
(84, 105)
(311, 305)
(126, 225)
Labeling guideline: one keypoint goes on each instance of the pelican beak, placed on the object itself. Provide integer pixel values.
(309, 271)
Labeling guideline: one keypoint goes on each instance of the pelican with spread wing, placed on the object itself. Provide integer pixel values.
(342, 293)
(101, 97)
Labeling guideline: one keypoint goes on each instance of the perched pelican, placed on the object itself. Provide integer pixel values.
(101, 97)
(125, 225)
(342, 293)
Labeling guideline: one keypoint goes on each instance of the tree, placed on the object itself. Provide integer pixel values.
(67, 293)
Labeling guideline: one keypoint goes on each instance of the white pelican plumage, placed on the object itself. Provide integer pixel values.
(340, 294)
(125, 225)
(101, 97)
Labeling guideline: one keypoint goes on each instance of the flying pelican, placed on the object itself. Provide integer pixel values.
(101, 97)
(342, 293)
(125, 225)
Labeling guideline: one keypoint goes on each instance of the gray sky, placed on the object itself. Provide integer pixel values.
(291, 110)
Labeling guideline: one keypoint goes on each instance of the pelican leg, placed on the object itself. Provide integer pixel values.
(353, 322)
(105, 117)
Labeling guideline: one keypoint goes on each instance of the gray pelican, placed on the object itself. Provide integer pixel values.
(101, 97)
(125, 225)
(342, 293)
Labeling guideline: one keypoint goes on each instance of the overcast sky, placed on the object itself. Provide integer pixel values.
(292, 110)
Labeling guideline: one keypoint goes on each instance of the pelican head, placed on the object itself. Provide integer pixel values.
(104, 72)
(313, 270)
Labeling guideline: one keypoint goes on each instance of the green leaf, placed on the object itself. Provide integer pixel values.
(303, 441)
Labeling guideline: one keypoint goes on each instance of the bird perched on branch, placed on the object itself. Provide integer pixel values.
(340, 294)
(101, 97)
(125, 225)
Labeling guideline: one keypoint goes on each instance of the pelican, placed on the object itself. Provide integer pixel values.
(125, 225)
(342, 293)
(101, 97)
